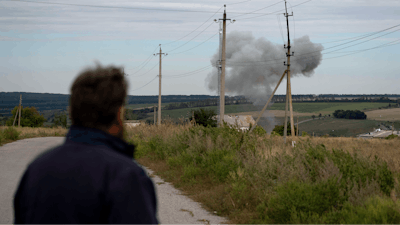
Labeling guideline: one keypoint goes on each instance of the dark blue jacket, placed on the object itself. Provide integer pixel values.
(91, 178)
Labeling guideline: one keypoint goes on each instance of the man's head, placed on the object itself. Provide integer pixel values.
(97, 98)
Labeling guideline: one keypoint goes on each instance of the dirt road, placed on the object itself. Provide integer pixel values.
(173, 207)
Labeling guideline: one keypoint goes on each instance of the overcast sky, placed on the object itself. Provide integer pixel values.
(44, 46)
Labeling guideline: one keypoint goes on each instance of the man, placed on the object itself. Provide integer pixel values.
(92, 177)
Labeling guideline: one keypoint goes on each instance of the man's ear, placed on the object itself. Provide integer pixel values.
(121, 114)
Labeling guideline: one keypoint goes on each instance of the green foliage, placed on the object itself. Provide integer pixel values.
(392, 136)
(280, 129)
(60, 120)
(307, 198)
(10, 134)
(304, 134)
(350, 114)
(259, 130)
(205, 117)
(30, 117)
(306, 184)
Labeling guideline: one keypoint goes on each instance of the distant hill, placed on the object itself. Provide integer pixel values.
(46, 101)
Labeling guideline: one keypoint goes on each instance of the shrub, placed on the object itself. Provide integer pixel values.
(11, 134)
(392, 136)
(281, 129)
(308, 198)
(304, 134)
(205, 117)
(259, 130)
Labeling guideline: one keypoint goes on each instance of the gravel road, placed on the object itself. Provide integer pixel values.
(173, 207)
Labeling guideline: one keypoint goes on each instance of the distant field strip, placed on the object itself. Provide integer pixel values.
(384, 114)
(306, 109)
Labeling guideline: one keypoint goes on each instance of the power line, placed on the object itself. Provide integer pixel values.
(145, 84)
(239, 2)
(336, 45)
(266, 14)
(122, 7)
(259, 9)
(191, 39)
(190, 73)
(195, 29)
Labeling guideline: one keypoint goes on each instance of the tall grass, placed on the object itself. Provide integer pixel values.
(9, 134)
(321, 180)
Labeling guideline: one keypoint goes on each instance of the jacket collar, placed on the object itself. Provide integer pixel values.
(94, 136)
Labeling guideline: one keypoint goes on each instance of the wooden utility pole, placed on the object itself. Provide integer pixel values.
(223, 62)
(289, 87)
(155, 110)
(297, 126)
(159, 87)
(20, 102)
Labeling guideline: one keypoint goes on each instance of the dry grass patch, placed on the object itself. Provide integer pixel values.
(384, 114)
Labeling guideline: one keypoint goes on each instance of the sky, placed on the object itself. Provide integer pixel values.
(46, 43)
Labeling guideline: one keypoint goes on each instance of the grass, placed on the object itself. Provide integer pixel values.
(252, 178)
(306, 107)
(384, 114)
(138, 106)
(328, 107)
(10, 134)
(338, 127)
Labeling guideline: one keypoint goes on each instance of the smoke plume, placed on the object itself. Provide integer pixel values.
(254, 66)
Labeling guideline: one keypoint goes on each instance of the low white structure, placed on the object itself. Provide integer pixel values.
(242, 121)
(132, 123)
(378, 133)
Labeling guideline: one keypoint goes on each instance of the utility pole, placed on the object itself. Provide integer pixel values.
(223, 62)
(219, 67)
(297, 126)
(289, 87)
(159, 87)
(155, 110)
(20, 102)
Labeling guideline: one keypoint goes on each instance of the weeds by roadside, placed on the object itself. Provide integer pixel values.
(255, 178)
(10, 134)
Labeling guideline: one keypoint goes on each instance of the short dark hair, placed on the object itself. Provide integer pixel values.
(96, 95)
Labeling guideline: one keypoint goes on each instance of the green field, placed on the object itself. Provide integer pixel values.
(177, 113)
(307, 107)
(328, 107)
(340, 127)
(138, 106)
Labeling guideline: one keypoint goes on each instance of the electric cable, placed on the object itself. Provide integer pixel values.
(194, 29)
(191, 39)
(259, 9)
(341, 44)
(266, 14)
(145, 84)
(121, 7)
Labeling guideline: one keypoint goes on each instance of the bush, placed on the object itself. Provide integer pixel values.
(30, 117)
(259, 130)
(11, 134)
(392, 136)
(280, 129)
(205, 117)
(304, 134)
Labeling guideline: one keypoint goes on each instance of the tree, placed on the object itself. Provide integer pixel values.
(280, 129)
(60, 120)
(204, 117)
(30, 117)
(313, 116)
(320, 115)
